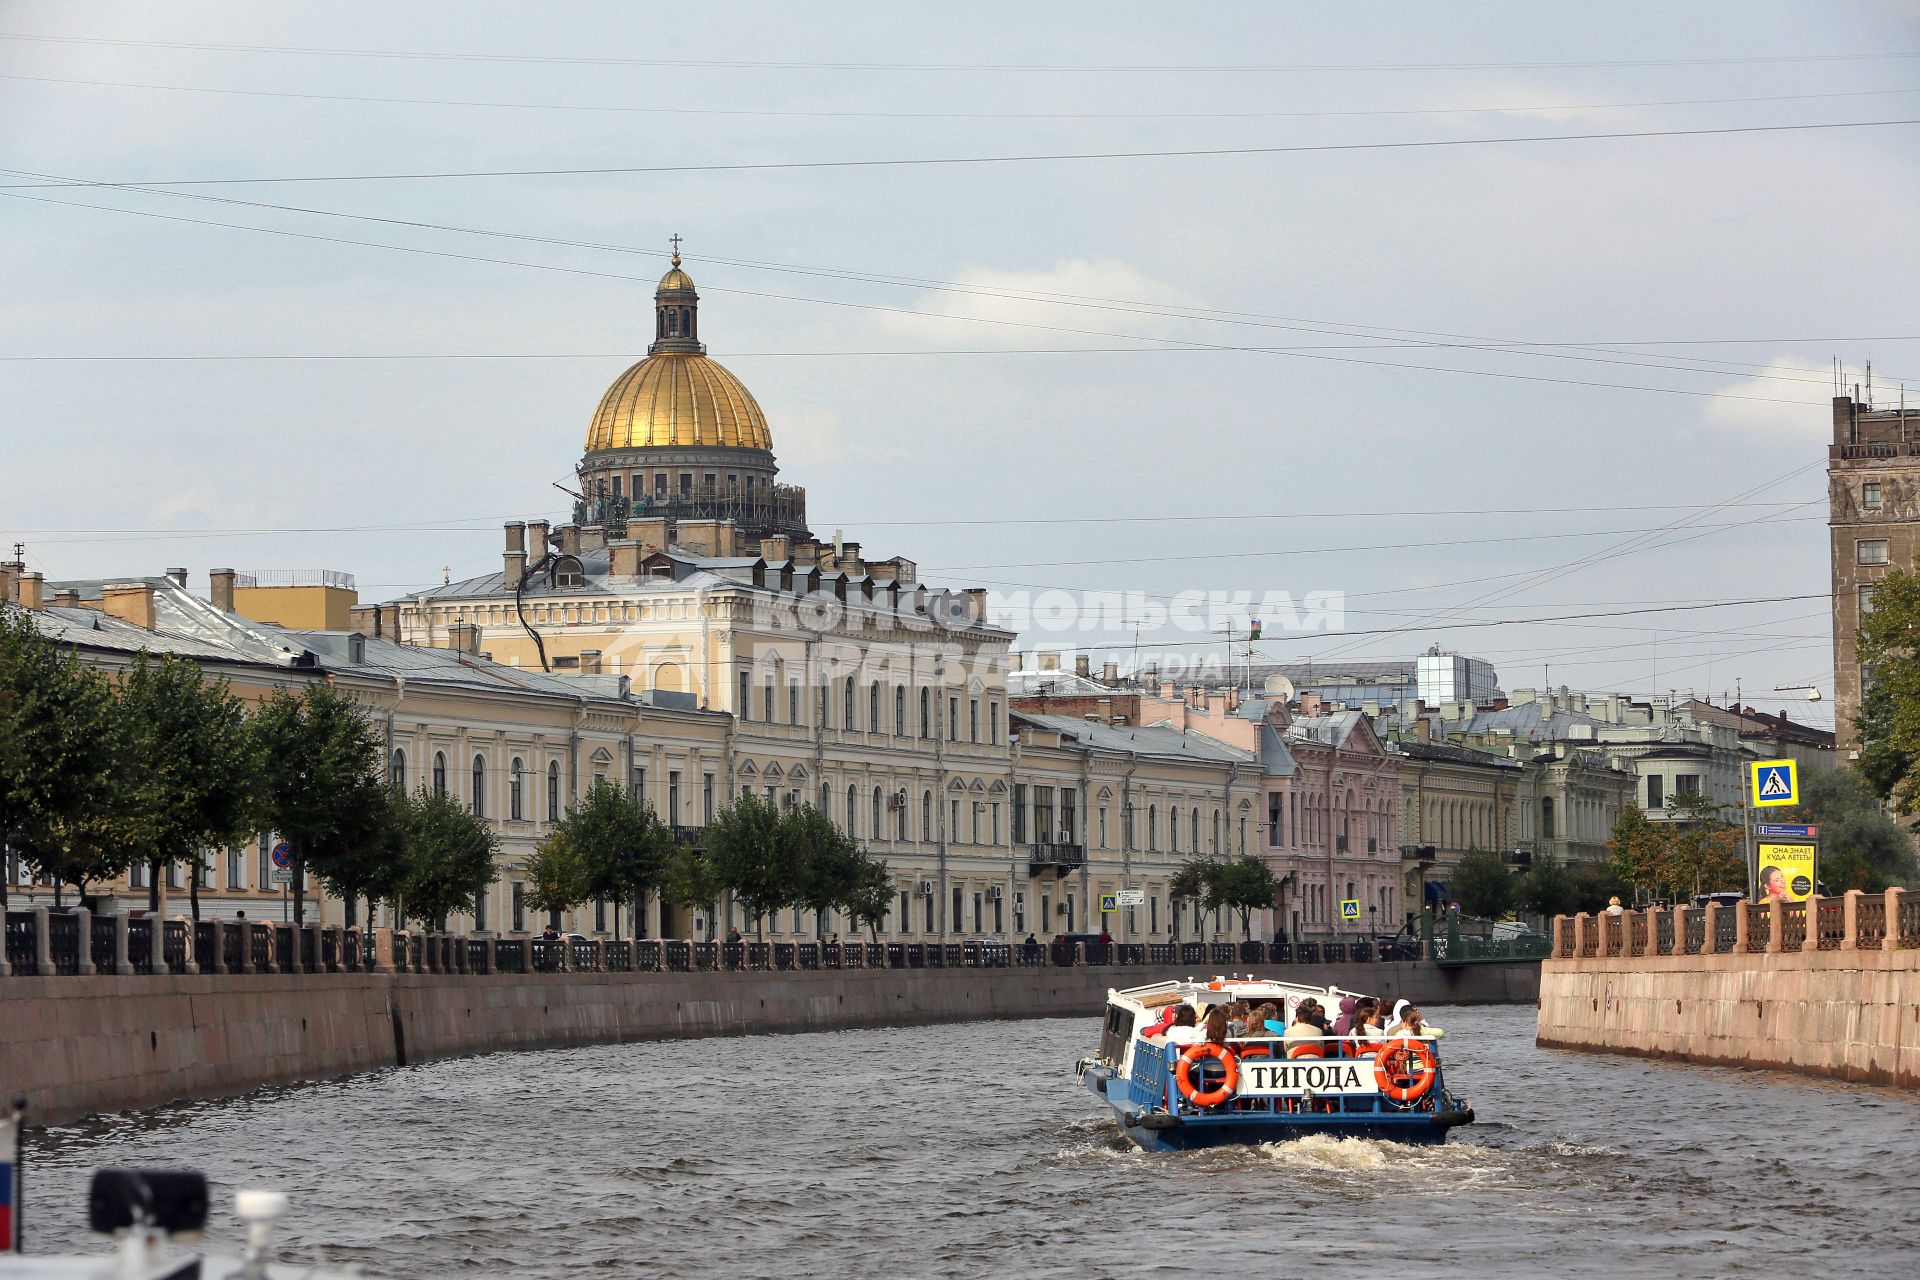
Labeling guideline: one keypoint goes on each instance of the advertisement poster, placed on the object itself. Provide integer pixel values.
(1786, 872)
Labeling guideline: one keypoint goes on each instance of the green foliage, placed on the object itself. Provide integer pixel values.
(830, 862)
(1247, 884)
(192, 763)
(322, 790)
(66, 804)
(1482, 884)
(687, 879)
(752, 855)
(1594, 885)
(1889, 719)
(449, 858)
(1547, 889)
(610, 847)
(1698, 852)
(1861, 847)
(870, 897)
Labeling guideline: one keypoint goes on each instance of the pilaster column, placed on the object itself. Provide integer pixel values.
(43, 944)
(491, 956)
(1776, 915)
(1889, 940)
(191, 964)
(1740, 914)
(122, 959)
(1680, 914)
(382, 951)
(1581, 923)
(1850, 914)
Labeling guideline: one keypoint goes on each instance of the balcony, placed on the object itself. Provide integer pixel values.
(693, 836)
(1055, 858)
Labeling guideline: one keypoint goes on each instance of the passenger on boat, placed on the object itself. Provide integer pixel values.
(1217, 1025)
(1161, 1023)
(1413, 1023)
(1343, 1025)
(1365, 1028)
(1265, 1021)
(1237, 1018)
(1185, 1029)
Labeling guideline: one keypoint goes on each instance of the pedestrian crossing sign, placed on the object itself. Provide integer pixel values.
(1109, 902)
(1775, 782)
(1350, 909)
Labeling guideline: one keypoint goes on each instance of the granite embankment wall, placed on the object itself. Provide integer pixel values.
(81, 1044)
(1832, 989)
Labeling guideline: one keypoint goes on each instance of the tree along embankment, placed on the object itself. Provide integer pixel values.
(76, 1045)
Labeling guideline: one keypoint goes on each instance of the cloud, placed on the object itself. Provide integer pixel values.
(1780, 411)
(1076, 294)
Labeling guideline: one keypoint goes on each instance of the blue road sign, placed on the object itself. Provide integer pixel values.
(282, 855)
(1787, 830)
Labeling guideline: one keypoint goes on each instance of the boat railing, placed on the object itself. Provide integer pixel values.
(1154, 1068)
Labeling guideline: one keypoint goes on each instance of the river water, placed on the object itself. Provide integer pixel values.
(969, 1150)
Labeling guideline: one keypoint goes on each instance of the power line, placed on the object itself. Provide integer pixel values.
(905, 311)
(956, 115)
(815, 65)
(896, 162)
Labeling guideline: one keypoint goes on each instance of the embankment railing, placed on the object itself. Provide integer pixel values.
(1856, 921)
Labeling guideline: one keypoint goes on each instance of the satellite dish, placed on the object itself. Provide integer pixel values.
(1279, 687)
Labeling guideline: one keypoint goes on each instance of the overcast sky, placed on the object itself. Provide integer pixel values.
(1103, 413)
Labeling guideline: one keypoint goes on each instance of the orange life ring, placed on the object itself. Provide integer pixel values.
(1305, 1048)
(1183, 1074)
(1404, 1068)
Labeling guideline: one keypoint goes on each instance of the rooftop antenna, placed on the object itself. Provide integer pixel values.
(1869, 382)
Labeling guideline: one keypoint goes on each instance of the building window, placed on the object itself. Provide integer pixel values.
(953, 719)
(1686, 784)
(955, 921)
(900, 710)
(397, 768)
(926, 713)
(1866, 601)
(1546, 817)
(793, 702)
(673, 796)
(873, 706)
(1153, 828)
(1870, 551)
(879, 826)
(993, 721)
(1870, 495)
(1019, 813)
(766, 703)
(514, 806)
(926, 815)
(553, 803)
(853, 811)
(953, 822)
(846, 705)
(519, 907)
(480, 911)
(479, 797)
(743, 707)
(1173, 830)
(236, 867)
(706, 798)
(1655, 787)
(439, 773)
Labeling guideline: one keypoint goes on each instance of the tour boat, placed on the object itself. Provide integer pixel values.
(1261, 1088)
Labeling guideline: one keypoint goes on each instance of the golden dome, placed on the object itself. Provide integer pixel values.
(678, 398)
(675, 279)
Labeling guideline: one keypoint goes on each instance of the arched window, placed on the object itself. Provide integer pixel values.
(439, 773)
(900, 819)
(397, 771)
(873, 707)
(515, 809)
(1173, 829)
(1153, 827)
(900, 710)
(846, 710)
(1193, 831)
(853, 801)
(479, 796)
(926, 802)
(553, 791)
(879, 814)
(926, 712)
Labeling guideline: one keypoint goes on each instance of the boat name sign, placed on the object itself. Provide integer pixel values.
(1285, 1079)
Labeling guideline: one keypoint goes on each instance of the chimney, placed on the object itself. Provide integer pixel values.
(68, 599)
(592, 537)
(806, 554)
(589, 662)
(979, 597)
(1013, 660)
(513, 567)
(387, 622)
(654, 532)
(884, 571)
(1049, 662)
(1110, 672)
(623, 558)
(9, 575)
(1309, 704)
(569, 539)
(221, 589)
(1423, 729)
(464, 637)
(179, 577)
(1082, 665)
(537, 545)
(777, 549)
(516, 535)
(129, 602)
(33, 591)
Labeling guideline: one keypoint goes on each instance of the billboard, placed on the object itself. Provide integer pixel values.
(1786, 871)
